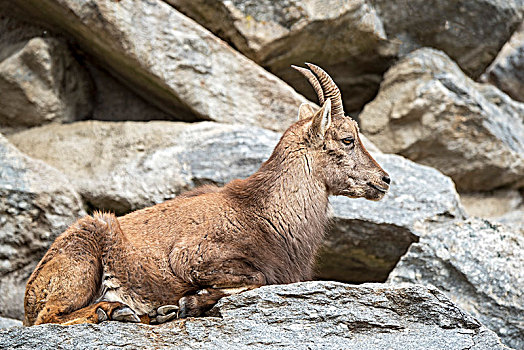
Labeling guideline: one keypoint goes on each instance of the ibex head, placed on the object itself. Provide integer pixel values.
(338, 155)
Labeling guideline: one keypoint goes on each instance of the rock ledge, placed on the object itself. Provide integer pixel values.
(313, 315)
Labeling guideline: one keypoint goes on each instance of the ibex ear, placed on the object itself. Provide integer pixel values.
(305, 111)
(322, 119)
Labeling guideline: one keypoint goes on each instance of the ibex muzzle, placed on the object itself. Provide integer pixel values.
(340, 157)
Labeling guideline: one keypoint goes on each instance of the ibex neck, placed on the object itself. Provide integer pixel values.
(289, 186)
(290, 206)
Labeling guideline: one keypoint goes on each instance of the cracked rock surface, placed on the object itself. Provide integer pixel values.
(309, 315)
(478, 265)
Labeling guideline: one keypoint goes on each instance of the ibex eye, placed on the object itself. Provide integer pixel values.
(348, 141)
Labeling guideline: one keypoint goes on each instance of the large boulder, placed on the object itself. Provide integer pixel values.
(478, 265)
(507, 70)
(36, 204)
(172, 61)
(346, 38)
(40, 80)
(312, 315)
(469, 31)
(429, 111)
(126, 166)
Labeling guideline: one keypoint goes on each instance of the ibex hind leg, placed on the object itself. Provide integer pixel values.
(67, 280)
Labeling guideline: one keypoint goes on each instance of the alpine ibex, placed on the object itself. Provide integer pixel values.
(176, 259)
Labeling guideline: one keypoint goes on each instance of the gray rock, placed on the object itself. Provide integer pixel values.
(513, 219)
(312, 315)
(470, 31)
(172, 61)
(36, 204)
(126, 166)
(346, 38)
(131, 165)
(368, 238)
(496, 205)
(428, 111)
(9, 322)
(478, 265)
(40, 80)
(507, 70)
(13, 30)
(502, 101)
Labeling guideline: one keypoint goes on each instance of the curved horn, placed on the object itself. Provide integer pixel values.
(313, 81)
(330, 89)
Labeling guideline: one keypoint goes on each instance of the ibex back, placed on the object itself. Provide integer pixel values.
(176, 259)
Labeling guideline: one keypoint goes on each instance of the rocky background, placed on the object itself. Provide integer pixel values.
(120, 104)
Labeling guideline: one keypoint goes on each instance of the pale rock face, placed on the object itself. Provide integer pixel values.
(346, 38)
(504, 206)
(430, 112)
(471, 32)
(172, 61)
(478, 265)
(131, 165)
(259, 25)
(9, 322)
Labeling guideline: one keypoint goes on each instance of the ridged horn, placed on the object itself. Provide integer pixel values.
(313, 81)
(329, 88)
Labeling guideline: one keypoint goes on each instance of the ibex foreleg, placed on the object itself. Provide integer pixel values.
(218, 279)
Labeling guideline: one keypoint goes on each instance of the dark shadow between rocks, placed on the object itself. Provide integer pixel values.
(355, 251)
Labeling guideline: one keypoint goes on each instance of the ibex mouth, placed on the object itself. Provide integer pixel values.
(378, 188)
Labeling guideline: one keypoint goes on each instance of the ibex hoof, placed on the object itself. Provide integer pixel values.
(165, 313)
(102, 316)
(183, 305)
(125, 314)
(167, 309)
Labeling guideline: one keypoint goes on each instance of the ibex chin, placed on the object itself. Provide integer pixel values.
(177, 258)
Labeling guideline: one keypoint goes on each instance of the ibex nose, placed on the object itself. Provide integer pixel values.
(386, 179)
